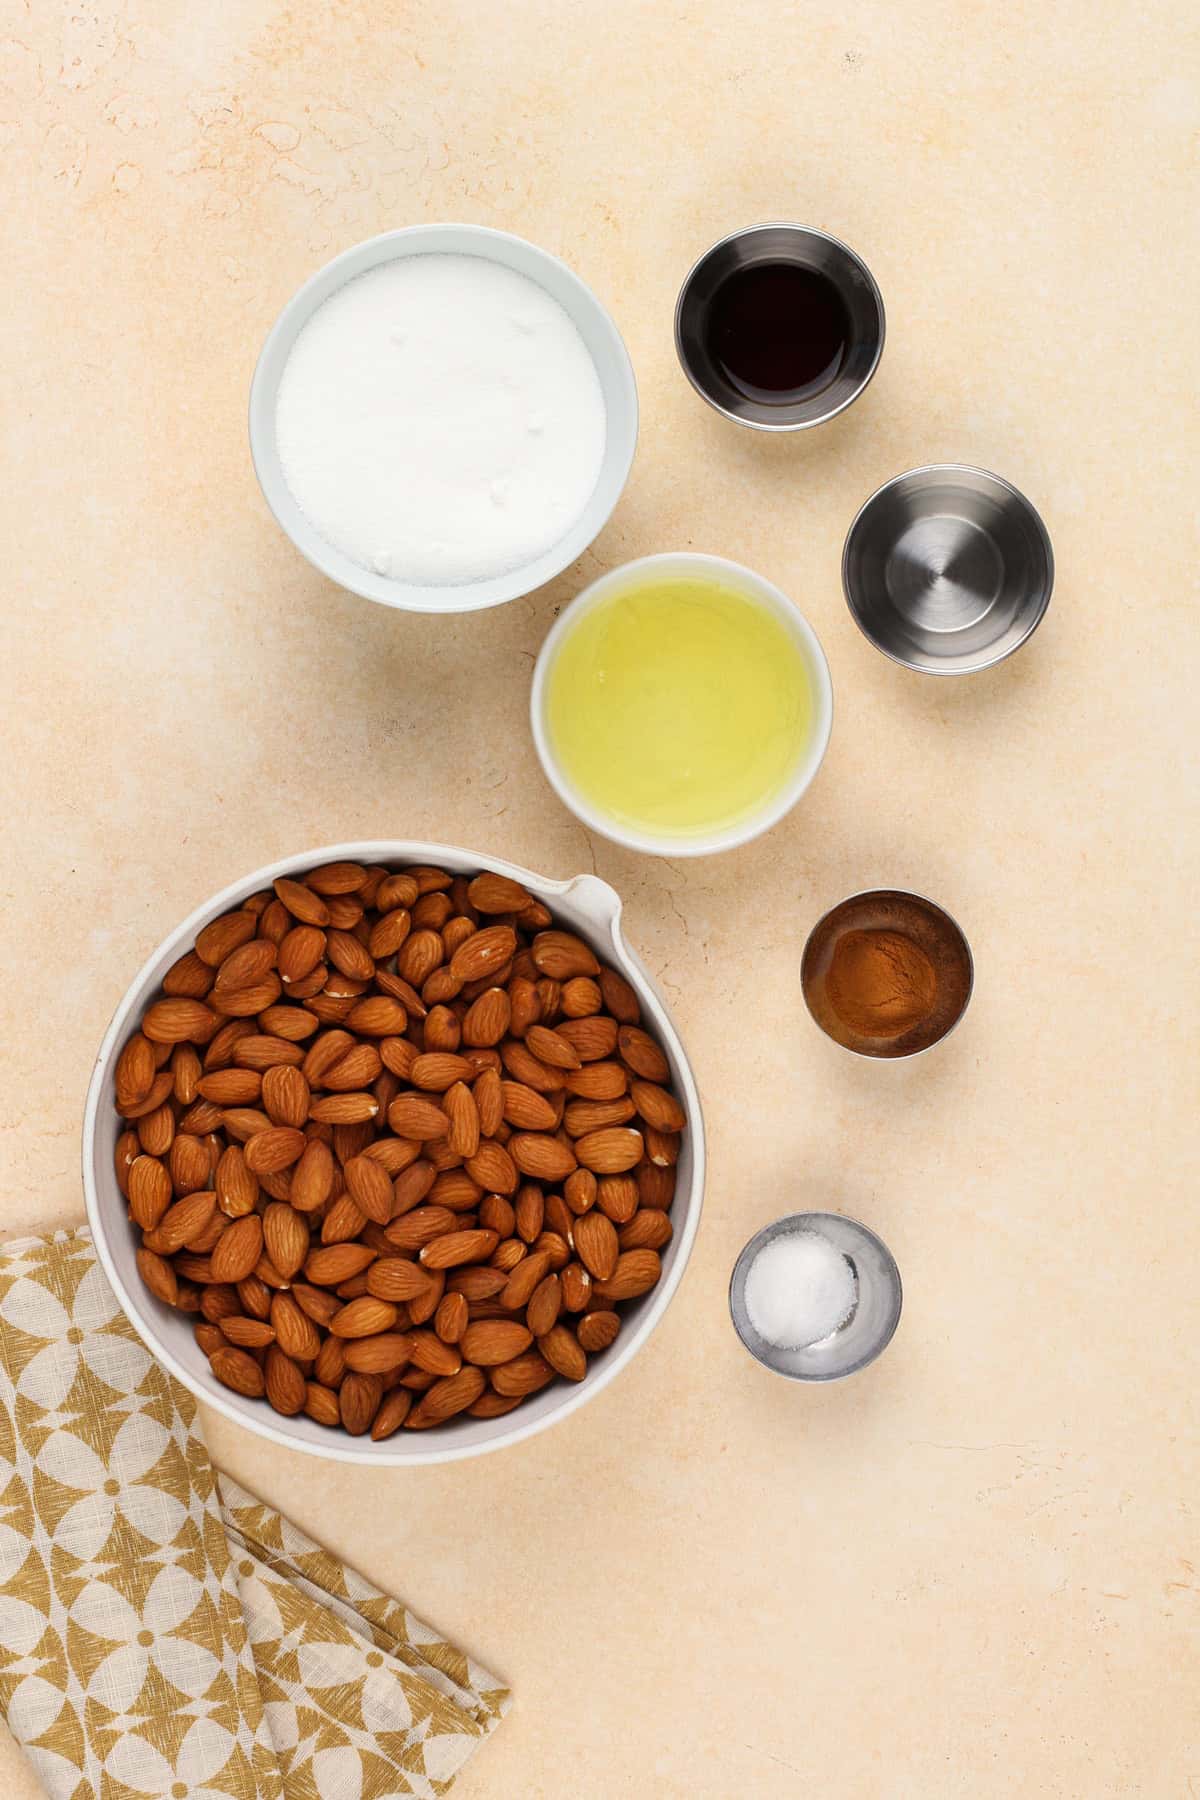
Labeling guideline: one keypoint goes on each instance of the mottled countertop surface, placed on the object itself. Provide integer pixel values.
(973, 1569)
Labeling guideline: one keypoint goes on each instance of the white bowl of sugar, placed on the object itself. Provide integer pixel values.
(443, 418)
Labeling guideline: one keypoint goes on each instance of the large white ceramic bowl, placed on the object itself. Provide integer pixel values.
(586, 905)
(594, 325)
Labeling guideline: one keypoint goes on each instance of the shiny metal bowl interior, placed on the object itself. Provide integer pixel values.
(869, 1328)
(947, 569)
(810, 249)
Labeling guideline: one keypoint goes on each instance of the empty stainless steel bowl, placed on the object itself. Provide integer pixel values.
(807, 248)
(947, 569)
(871, 1324)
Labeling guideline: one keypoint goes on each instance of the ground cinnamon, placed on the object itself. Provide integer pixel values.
(880, 983)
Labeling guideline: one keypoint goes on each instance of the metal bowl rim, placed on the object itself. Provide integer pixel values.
(796, 1222)
(813, 231)
(904, 894)
(991, 662)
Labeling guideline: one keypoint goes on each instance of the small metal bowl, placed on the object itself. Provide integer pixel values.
(931, 928)
(947, 569)
(869, 1328)
(807, 248)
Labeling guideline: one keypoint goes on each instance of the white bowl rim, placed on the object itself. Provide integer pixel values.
(415, 1452)
(758, 587)
(493, 590)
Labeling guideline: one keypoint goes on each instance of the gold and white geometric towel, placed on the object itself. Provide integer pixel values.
(163, 1633)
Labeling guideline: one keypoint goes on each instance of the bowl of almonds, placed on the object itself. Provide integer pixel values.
(392, 1153)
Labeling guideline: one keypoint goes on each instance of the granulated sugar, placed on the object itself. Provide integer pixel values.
(440, 420)
(799, 1289)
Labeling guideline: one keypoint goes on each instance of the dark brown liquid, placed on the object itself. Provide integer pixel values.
(777, 332)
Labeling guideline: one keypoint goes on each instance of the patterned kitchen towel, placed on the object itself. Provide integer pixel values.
(163, 1633)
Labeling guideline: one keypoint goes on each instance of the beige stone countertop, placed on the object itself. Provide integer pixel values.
(973, 1569)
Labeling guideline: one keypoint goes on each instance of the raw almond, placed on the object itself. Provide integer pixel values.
(456, 1247)
(492, 893)
(483, 953)
(463, 1114)
(238, 1249)
(636, 1273)
(420, 954)
(184, 1222)
(518, 1289)
(276, 1148)
(582, 1116)
(542, 1157)
(231, 1087)
(529, 1214)
(237, 1369)
(218, 940)
(392, 1413)
(285, 1237)
(159, 1276)
(149, 1192)
(545, 1303)
(649, 1229)
(242, 1002)
(189, 978)
(451, 1318)
(597, 1081)
(295, 1332)
(493, 1168)
(657, 1106)
(435, 1358)
(312, 1177)
(411, 1116)
(302, 902)
(562, 1351)
(300, 950)
(333, 1263)
(370, 1187)
(245, 968)
(173, 1021)
(440, 1071)
(489, 1101)
(285, 1096)
(551, 1048)
(590, 1038)
(526, 1109)
(135, 1072)
(640, 1053)
(452, 1395)
(420, 1227)
(610, 1151)
(576, 1285)
(523, 1375)
(597, 1330)
(344, 1109)
(524, 1066)
(596, 1244)
(363, 1317)
(489, 1342)
(358, 1402)
(618, 1197)
(487, 1018)
(247, 1334)
(562, 956)
(380, 1354)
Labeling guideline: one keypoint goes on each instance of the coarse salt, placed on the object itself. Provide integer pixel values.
(440, 420)
(799, 1289)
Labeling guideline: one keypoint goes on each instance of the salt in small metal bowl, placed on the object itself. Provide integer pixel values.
(947, 569)
(871, 1325)
(807, 248)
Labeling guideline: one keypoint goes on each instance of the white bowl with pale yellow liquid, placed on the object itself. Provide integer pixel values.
(681, 705)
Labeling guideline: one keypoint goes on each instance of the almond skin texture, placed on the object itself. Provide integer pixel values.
(489, 1342)
(636, 1273)
(610, 1151)
(237, 1369)
(541, 1157)
(596, 1244)
(562, 1351)
(276, 1148)
(363, 1318)
(483, 953)
(285, 1237)
(238, 1249)
(597, 1330)
(377, 1120)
